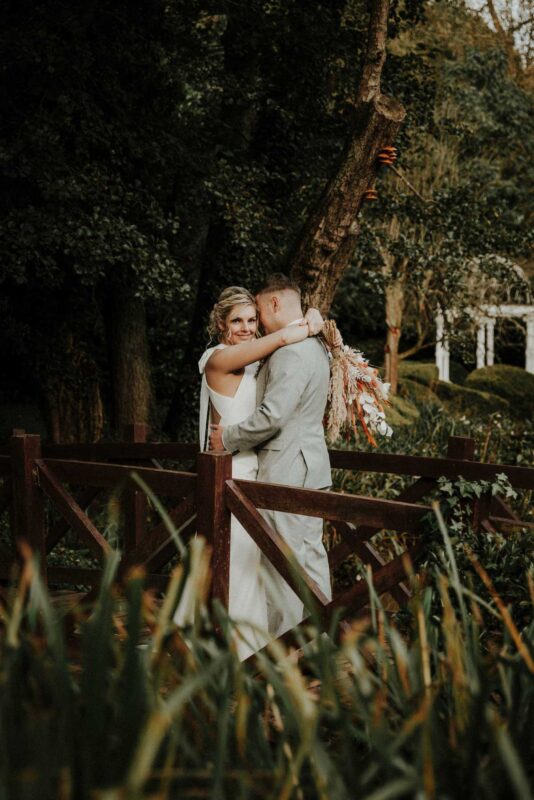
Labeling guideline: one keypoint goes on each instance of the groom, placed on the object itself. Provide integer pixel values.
(287, 431)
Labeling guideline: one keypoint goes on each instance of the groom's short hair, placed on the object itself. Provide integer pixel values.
(278, 282)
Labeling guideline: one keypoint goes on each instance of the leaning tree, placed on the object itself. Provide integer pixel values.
(326, 246)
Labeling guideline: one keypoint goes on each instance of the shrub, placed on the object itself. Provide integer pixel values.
(513, 384)
(420, 371)
(418, 393)
(401, 411)
(465, 399)
(457, 372)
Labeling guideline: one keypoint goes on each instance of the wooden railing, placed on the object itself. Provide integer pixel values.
(33, 476)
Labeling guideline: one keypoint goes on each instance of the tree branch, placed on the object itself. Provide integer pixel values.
(327, 242)
(375, 51)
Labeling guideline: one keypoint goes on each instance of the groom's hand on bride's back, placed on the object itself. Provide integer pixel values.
(216, 442)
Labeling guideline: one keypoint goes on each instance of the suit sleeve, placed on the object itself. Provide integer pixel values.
(288, 377)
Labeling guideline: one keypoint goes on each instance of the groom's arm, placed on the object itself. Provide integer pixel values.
(287, 380)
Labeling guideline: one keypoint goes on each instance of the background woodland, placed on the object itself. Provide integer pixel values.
(152, 154)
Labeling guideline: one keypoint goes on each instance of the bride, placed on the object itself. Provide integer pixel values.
(228, 396)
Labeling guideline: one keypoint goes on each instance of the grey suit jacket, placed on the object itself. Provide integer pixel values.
(292, 389)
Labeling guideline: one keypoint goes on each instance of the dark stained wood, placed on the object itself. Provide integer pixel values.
(117, 451)
(417, 490)
(350, 604)
(55, 534)
(350, 536)
(335, 506)
(167, 550)
(168, 483)
(481, 511)
(213, 517)
(5, 466)
(520, 477)
(369, 555)
(384, 579)
(341, 551)
(461, 447)
(27, 516)
(183, 515)
(271, 543)
(501, 512)
(354, 540)
(134, 500)
(5, 495)
(69, 508)
(511, 523)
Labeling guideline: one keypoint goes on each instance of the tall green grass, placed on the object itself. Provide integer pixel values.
(444, 710)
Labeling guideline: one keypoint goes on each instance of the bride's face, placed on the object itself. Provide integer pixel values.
(241, 324)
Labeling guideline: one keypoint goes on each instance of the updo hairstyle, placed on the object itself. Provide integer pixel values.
(228, 298)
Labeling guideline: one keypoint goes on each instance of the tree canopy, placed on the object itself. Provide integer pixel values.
(151, 155)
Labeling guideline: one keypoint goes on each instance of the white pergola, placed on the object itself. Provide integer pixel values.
(485, 354)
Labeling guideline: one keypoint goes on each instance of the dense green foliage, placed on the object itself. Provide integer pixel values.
(511, 383)
(463, 150)
(169, 150)
(161, 149)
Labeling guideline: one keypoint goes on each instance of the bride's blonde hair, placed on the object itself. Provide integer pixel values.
(228, 298)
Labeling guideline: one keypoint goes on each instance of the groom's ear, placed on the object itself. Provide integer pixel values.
(275, 302)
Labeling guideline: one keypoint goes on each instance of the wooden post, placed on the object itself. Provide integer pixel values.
(213, 517)
(135, 502)
(461, 447)
(27, 515)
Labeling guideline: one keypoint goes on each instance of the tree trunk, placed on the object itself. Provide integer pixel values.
(394, 312)
(130, 365)
(328, 241)
(71, 393)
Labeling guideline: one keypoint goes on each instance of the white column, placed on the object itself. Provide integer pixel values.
(490, 342)
(445, 359)
(439, 346)
(529, 349)
(481, 346)
(442, 348)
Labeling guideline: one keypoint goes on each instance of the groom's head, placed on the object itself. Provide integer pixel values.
(278, 302)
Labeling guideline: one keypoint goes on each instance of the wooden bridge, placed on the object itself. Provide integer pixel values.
(35, 478)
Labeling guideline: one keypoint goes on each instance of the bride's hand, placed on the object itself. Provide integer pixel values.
(315, 321)
(292, 334)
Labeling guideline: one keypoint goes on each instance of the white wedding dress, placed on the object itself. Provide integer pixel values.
(247, 605)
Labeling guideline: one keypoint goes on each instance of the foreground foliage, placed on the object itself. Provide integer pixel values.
(444, 710)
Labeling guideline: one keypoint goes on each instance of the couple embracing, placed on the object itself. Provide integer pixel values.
(263, 399)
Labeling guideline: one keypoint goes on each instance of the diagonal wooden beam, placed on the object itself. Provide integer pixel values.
(355, 541)
(71, 511)
(182, 516)
(167, 551)
(352, 602)
(85, 499)
(384, 579)
(345, 548)
(272, 545)
(502, 514)
(511, 523)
